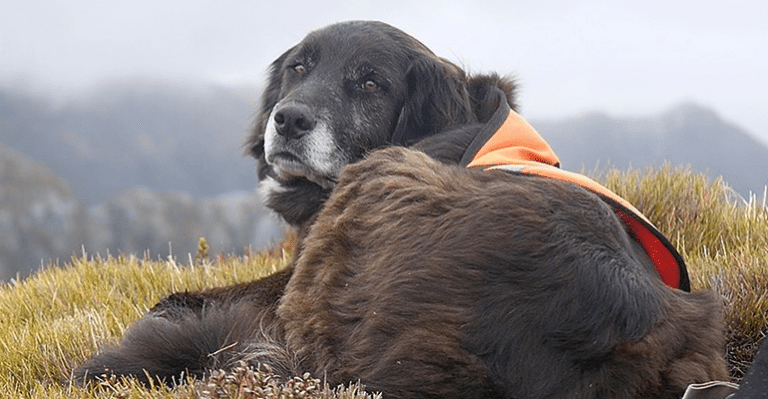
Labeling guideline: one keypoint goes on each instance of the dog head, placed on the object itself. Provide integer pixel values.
(341, 92)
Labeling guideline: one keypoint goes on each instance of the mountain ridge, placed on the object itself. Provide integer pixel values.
(100, 169)
(154, 134)
(686, 134)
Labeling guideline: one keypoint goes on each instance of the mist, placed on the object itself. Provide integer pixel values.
(622, 58)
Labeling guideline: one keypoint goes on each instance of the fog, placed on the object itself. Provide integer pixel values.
(624, 58)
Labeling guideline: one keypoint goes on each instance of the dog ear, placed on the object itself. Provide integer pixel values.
(483, 93)
(437, 96)
(269, 98)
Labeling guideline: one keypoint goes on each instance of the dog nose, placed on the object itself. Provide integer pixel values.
(293, 121)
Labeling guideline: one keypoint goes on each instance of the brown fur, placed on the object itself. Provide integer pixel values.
(424, 279)
(427, 280)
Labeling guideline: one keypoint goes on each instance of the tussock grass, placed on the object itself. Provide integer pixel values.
(56, 318)
(722, 237)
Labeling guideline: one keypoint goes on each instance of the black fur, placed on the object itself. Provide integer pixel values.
(191, 333)
(418, 94)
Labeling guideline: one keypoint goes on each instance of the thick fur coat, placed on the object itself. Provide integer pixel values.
(420, 278)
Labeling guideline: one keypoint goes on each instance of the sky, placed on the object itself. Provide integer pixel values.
(624, 58)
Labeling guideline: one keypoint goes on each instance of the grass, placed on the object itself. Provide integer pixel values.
(723, 238)
(56, 318)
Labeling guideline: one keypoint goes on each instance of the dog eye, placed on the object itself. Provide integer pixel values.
(370, 85)
(299, 69)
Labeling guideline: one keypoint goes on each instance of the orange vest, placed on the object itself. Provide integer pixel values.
(507, 142)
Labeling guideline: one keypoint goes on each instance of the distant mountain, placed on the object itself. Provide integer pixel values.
(687, 134)
(156, 135)
(41, 219)
(125, 167)
(188, 138)
(39, 215)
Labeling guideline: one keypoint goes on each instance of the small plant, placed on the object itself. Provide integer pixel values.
(202, 250)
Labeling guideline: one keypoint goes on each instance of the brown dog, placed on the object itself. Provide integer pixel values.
(426, 279)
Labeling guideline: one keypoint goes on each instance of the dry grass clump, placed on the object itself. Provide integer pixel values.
(56, 318)
(723, 238)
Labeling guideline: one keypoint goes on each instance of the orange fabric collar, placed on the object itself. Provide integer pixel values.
(517, 141)
(508, 142)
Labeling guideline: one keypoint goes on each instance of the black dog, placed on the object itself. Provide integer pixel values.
(348, 89)
(415, 275)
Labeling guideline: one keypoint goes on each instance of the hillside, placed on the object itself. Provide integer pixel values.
(41, 219)
(39, 215)
(158, 135)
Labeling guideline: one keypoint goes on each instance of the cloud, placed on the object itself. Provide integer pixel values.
(622, 57)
